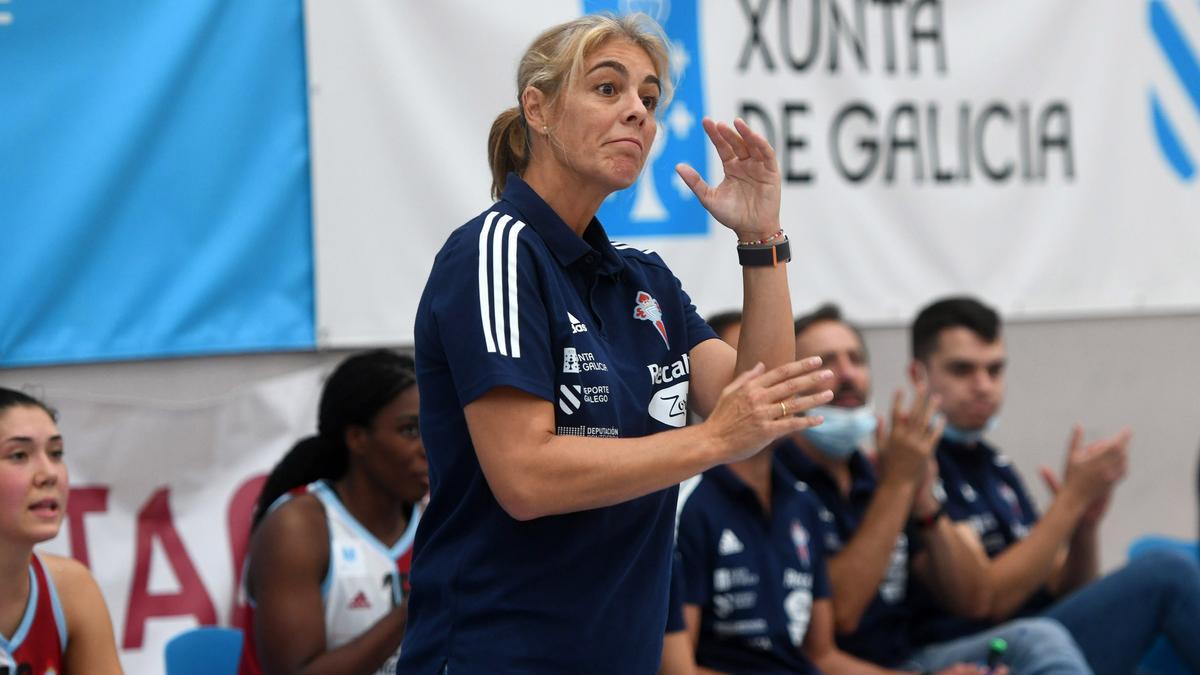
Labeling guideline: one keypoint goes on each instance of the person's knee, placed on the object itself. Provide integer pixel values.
(1043, 645)
(1169, 560)
(1177, 570)
(1045, 633)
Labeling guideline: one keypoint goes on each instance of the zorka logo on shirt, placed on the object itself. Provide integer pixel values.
(647, 309)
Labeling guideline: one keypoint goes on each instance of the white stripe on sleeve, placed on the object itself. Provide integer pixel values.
(485, 313)
(514, 322)
(498, 283)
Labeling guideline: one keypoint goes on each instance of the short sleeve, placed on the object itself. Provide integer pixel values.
(693, 557)
(698, 329)
(820, 572)
(675, 622)
(490, 310)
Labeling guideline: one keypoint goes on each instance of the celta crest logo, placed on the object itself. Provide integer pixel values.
(647, 309)
(1168, 121)
(800, 540)
(659, 203)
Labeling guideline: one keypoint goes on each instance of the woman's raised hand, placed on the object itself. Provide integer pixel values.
(762, 405)
(747, 200)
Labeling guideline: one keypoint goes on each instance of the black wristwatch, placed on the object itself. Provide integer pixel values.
(765, 255)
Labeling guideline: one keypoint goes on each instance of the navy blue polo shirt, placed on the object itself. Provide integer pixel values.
(883, 631)
(675, 620)
(600, 331)
(983, 489)
(754, 575)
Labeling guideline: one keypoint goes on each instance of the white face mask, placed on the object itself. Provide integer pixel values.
(968, 436)
(843, 430)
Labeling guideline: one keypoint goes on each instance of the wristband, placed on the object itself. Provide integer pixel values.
(768, 240)
(768, 255)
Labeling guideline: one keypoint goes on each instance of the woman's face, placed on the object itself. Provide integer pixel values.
(605, 125)
(33, 477)
(392, 451)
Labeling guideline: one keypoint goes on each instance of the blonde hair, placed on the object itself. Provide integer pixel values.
(552, 63)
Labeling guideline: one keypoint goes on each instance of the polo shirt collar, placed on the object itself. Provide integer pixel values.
(862, 474)
(782, 483)
(593, 250)
(978, 452)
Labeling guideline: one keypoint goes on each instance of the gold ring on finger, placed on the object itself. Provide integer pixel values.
(783, 407)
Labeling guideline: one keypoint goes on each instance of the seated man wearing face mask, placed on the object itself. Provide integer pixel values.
(1044, 564)
(881, 527)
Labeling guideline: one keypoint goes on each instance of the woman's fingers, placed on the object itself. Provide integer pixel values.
(806, 383)
(743, 378)
(791, 424)
(759, 148)
(724, 150)
(694, 181)
(731, 136)
(788, 371)
(800, 404)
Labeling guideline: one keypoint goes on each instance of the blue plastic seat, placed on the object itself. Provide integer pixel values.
(207, 650)
(1162, 659)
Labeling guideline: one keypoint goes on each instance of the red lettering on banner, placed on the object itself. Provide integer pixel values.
(241, 512)
(80, 502)
(154, 521)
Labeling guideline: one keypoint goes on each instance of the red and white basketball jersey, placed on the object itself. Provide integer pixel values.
(363, 582)
(38, 645)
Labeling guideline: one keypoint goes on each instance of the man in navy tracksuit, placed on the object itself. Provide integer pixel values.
(1040, 564)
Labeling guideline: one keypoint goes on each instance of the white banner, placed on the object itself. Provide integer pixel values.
(1034, 152)
(161, 497)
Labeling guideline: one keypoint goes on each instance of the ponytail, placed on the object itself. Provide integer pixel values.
(508, 148)
(355, 392)
(309, 460)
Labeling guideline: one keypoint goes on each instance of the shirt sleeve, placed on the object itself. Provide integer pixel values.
(694, 563)
(698, 329)
(675, 622)
(491, 311)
